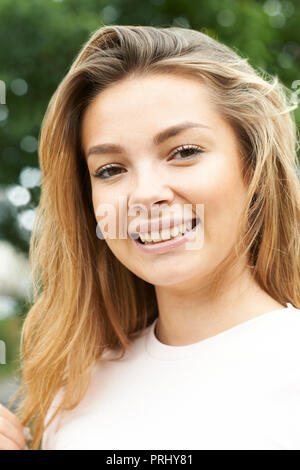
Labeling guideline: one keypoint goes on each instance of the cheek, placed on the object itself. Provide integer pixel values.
(110, 213)
(96, 205)
(103, 211)
(223, 194)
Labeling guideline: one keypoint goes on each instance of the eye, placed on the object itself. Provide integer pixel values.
(107, 168)
(193, 150)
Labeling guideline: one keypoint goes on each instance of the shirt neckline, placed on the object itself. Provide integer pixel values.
(159, 350)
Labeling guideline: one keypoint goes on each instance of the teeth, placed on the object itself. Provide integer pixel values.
(175, 231)
(166, 234)
(155, 236)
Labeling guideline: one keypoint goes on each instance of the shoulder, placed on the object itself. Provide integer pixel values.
(288, 322)
(134, 351)
(282, 332)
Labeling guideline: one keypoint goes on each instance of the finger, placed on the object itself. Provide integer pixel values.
(11, 417)
(12, 433)
(7, 444)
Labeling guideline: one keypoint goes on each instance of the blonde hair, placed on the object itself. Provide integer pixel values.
(85, 300)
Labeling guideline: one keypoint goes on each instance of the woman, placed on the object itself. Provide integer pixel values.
(134, 341)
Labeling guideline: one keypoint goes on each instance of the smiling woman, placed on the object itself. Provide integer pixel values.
(137, 341)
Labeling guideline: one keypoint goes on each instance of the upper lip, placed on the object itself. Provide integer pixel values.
(159, 224)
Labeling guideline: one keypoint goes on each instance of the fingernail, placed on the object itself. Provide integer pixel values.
(27, 433)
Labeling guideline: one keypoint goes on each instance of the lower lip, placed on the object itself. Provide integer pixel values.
(161, 247)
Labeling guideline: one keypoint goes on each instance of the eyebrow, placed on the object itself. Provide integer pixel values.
(157, 140)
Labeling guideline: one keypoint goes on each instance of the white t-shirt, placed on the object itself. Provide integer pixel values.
(239, 389)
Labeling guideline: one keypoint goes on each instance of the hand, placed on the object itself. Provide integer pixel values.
(11, 431)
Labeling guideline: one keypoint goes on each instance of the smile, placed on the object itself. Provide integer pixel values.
(167, 234)
(167, 239)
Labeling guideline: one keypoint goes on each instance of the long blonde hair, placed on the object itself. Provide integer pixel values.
(84, 299)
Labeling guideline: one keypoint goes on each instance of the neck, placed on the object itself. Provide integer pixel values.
(189, 316)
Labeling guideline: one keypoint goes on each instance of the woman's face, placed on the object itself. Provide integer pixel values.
(160, 174)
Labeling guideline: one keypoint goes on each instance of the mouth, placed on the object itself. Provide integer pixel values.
(169, 237)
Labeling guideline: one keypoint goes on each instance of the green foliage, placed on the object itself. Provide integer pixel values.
(10, 329)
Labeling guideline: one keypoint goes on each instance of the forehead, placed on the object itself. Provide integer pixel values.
(147, 103)
(150, 90)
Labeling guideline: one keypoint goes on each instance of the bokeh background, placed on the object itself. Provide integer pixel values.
(39, 39)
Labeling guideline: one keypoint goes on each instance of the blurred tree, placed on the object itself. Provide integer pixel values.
(40, 38)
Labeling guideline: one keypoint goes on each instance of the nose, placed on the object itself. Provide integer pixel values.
(149, 189)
